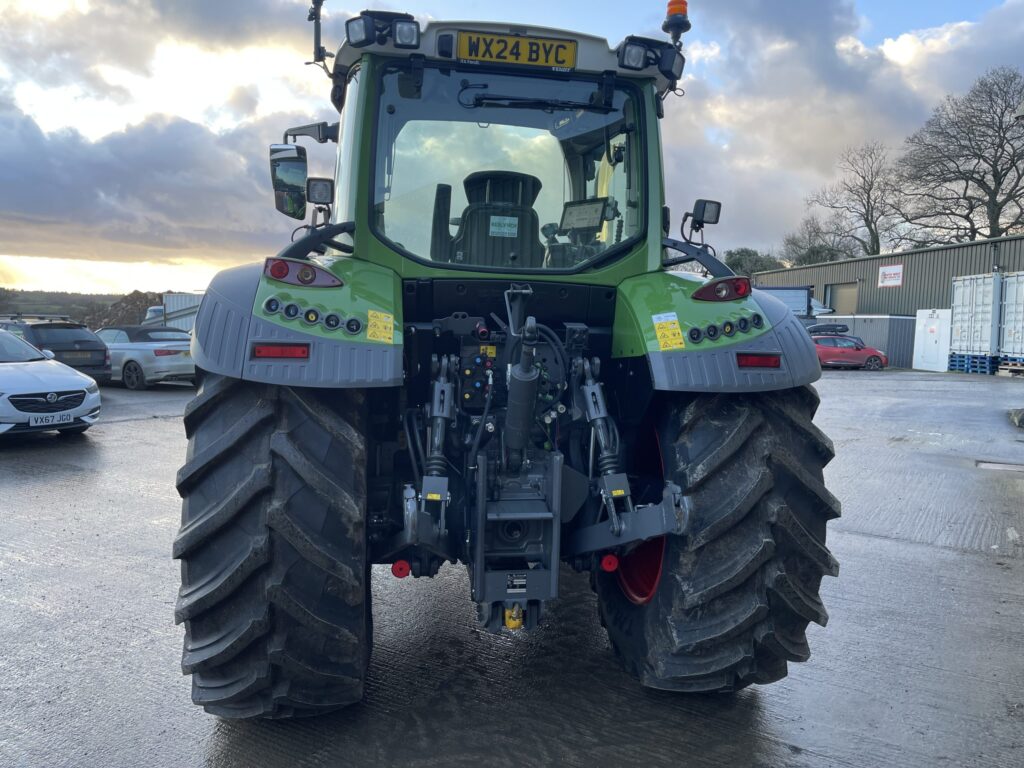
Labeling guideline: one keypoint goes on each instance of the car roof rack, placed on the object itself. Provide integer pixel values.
(34, 316)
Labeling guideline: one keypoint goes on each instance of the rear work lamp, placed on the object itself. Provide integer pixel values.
(377, 26)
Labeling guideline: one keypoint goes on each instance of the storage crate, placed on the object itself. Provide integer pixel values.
(1011, 329)
(975, 317)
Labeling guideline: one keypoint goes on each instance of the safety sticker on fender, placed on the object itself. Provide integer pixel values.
(670, 335)
(381, 327)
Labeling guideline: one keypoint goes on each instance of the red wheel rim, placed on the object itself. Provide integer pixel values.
(639, 572)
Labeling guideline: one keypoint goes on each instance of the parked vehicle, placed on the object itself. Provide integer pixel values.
(143, 354)
(799, 298)
(848, 352)
(40, 394)
(406, 386)
(834, 329)
(71, 343)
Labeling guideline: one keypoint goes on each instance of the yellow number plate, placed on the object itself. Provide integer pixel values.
(510, 49)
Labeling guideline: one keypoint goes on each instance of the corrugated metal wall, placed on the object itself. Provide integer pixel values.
(892, 335)
(927, 275)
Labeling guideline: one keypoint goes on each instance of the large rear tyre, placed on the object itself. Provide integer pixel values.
(274, 575)
(728, 604)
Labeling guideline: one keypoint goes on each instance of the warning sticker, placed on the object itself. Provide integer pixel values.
(670, 335)
(489, 350)
(381, 327)
(504, 226)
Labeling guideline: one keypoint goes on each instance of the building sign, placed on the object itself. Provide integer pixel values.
(890, 276)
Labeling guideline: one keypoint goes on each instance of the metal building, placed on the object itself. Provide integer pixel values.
(900, 283)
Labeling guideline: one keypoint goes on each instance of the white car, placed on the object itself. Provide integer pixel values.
(38, 394)
(141, 355)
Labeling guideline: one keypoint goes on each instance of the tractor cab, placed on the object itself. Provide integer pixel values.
(496, 148)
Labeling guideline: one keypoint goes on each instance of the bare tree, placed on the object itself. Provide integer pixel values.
(962, 174)
(862, 200)
(816, 241)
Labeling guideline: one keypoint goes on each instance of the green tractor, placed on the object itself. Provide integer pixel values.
(476, 353)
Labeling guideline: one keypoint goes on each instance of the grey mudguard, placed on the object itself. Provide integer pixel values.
(226, 329)
(715, 370)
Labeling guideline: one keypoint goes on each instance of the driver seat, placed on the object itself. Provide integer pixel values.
(499, 227)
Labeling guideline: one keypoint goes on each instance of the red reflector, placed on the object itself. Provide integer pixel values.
(400, 569)
(278, 269)
(286, 351)
(166, 352)
(752, 360)
(609, 563)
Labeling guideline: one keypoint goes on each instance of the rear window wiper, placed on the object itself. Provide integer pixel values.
(530, 102)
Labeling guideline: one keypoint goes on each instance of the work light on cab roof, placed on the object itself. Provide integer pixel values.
(478, 352)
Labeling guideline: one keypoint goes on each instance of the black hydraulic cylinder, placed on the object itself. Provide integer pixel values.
(523, 384)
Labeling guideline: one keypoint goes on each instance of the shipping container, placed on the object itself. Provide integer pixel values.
(931, 339)
(1011, 332)
(892, 334)
(975, 319)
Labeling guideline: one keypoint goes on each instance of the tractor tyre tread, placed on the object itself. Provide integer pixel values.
(275, 582)
(739, 589)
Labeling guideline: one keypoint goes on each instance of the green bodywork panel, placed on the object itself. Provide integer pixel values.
(367, 289)
(650, 300)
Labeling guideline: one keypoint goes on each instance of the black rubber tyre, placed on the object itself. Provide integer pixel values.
(275, 584)
(873, 363)
(735, 595)
(133, 377)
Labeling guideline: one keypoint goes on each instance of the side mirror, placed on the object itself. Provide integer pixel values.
(288, 173)
(706, 212)
(48, 354)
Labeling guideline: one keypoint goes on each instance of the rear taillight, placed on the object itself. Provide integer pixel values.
(725, 289)
(300, 273)
(166, 352)
(280, 351)
(757, 360)
(106, 357)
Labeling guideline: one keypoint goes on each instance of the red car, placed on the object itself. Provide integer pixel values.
(844, 352)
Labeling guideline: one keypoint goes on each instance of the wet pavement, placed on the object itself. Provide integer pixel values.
(921, 664)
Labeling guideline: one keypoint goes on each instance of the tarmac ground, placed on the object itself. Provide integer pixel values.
(920, 665)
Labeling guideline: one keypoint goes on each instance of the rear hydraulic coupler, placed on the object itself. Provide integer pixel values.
(524, 379)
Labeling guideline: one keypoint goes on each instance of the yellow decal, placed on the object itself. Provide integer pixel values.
(381, 327)
(489, 350)
(618, 492)
(433, 497)
(670, 335)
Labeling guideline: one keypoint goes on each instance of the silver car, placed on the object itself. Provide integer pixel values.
(141, 355)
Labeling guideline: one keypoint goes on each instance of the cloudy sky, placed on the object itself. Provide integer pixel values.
(133, 133)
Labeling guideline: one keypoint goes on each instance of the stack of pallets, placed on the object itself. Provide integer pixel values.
(1011, 366)
(986, 364)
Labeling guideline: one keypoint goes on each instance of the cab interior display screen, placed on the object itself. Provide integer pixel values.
(583, 214)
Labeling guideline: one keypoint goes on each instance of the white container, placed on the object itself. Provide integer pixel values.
(975, 319)
(1011, 331)
(931, 339)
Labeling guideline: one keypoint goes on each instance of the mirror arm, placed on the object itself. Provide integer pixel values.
(325, 235)
(321, 132)
(699, 253)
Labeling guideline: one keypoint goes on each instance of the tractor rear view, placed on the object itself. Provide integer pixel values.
(476, 354)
